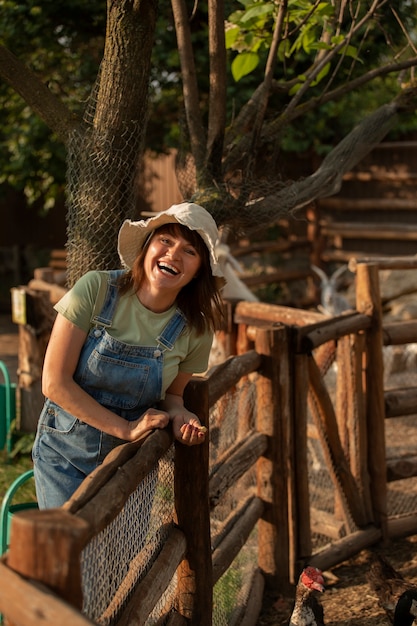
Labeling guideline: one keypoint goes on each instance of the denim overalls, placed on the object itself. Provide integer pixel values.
(124, 378)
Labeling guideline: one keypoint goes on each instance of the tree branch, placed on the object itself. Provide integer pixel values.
(274, 127)
(189, 82)
(36, 94)
(327, 180)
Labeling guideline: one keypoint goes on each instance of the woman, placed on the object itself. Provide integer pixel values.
(124, 345)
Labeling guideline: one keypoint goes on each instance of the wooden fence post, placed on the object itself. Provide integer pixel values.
(274, 419)
(195, 573)
(368, 301)
(46, 546)
(300, 521)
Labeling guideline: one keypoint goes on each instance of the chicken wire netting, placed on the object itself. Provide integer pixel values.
(231, 418)
(120, 556)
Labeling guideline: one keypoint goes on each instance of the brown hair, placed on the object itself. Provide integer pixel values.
(200, 299)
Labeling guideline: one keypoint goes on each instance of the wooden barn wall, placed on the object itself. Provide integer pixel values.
(375, 212)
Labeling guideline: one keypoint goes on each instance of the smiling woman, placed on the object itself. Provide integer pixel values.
(124, 345)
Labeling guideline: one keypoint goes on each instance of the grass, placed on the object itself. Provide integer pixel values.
(10, 469)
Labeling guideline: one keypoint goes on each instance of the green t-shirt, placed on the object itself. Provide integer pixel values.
(136, 325)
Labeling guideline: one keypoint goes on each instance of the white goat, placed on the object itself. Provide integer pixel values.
(332, 302)
(235, 288)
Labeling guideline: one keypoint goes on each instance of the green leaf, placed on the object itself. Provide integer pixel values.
(321, 74)
(244, 64)
(231, 36)
(258, 10)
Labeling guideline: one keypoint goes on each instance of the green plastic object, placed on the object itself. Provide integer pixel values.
(7, 409)
(8, 509)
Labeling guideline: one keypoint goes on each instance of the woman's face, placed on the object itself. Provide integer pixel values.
(171, 261)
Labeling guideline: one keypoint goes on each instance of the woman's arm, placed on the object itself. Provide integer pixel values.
(186, 425)
(58, 385)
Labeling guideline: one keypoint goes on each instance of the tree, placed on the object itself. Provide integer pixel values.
(311, 55)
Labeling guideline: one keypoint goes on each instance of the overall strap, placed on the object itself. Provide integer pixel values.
(105, 315)
(172, 330)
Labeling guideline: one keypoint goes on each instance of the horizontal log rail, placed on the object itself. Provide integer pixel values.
(400, 402)
(235, 462)
(27, 604)
(368, 204)
(224, 376)
(149, 591)
(110, 499)
(350, 230)
(231, 545)
(270, 246)
(258, 312)
(385, 262)
(331, 329)
(399, 333)
(401, 468)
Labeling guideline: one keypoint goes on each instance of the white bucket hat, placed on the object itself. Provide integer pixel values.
(132, 235)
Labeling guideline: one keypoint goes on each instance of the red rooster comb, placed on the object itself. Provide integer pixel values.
(312, 578)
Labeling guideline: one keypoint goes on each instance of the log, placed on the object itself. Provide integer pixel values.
(326, 524)
(227, 374)
(299, 491)
(364, 204)
(151, 589)
(385, 262)
(46, 546)
(389, 232)
(345, 548)
(256, 312)
(24, 603)
(337, 255)
(399, 333)
(102, 474)
(368, 302)
(194, 575)
(399, 402)
(282, 276)
(274, 470)
(402, 526)
(237, 460)
(226, 526)
(382, 175)
(247, 615)
(404, 467)
(325, 420)
(331, 329)
(269, 246)
(113, 494)
(55, 292)
(231, 545)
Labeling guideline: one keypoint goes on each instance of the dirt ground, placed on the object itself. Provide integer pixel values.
(348, 599)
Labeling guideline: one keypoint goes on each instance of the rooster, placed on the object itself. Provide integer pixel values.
(397, 596)
(307, 609)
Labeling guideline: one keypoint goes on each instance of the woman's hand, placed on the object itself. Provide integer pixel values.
(149, 421)
(185, 424)
(187, 428)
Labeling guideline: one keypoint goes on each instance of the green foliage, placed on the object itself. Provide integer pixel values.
(62, 42)
(310, 31)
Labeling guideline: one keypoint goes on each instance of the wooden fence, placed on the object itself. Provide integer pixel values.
(285, 352)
